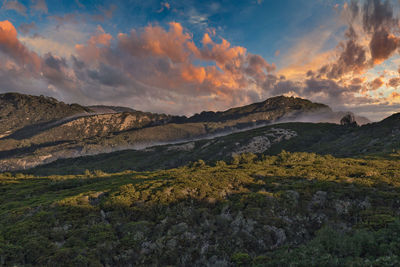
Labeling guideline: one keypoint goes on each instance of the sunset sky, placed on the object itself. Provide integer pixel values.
(182, 57)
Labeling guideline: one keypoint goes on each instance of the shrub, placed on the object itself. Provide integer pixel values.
(87, 173)
(241, 259)
(220, 163)
(199, 164)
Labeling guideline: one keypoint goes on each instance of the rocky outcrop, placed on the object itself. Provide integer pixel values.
(260, 144)
(348, 120)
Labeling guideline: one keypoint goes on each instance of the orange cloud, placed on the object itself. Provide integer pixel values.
(206, 39)
(357, 80)
(223, 53)
(194, 74)
(170, 56)
(101, 38)
(376, 83)
(297, 70)
(394, 82)
(95, 46)
(395, 95)
(382, 46)
(154, 40)
(10, 45)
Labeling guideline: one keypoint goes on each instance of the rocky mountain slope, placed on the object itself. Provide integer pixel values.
(73, 130)
(221, 193)
(279, 108)
(379, 138)
(18, 111)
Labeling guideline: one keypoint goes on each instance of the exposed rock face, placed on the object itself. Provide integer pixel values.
(348, 120)
(260, 144)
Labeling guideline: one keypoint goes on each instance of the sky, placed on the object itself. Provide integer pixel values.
(183, 57)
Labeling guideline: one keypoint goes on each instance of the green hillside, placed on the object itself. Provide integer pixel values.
(293, 209)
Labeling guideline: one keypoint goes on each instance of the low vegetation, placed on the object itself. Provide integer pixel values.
(291, 209)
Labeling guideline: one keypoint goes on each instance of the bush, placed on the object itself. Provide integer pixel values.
(241, 259)
(87, 173)
(99, 173)
(199, 164)
(220, 164)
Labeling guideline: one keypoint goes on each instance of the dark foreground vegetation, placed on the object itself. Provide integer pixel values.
(292, 209)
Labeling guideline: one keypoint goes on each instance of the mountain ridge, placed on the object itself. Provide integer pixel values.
(375, 139)
(84, 131)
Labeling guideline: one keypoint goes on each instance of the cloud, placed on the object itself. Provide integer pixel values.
(164, 6)
(164, 63)
(154, 40)
(394, 96)
(383, 45)
(376, 83)
(394, 82)
(11, 46)
(166, 69)
(16, 6)
(345, 73)
(380, 21)
(370, 39)
(40, 6)
(105, 13)
(79, 4)
(108, 76)
(54, 62)
(60, 40)
(352, 58)
(61, 20)
(26, 28)
(308, 51)
(357, 80)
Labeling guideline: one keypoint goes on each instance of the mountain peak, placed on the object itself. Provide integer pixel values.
(291, 102)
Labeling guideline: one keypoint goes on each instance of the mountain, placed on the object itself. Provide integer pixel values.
(71, 130)
(246, 189)
(279, 108)
(271, 109)
(19, 110)
(373, 139)
(109, 109)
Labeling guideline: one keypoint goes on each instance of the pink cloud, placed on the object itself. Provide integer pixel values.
(10, 45)
(152, 45)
